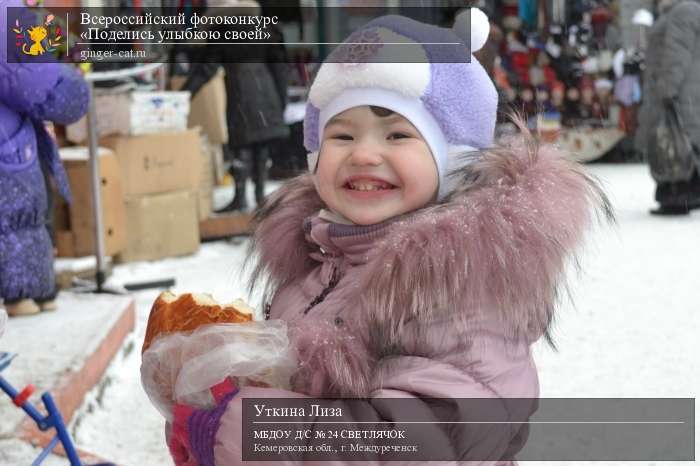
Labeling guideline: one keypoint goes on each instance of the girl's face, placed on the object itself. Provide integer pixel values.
(373, 168)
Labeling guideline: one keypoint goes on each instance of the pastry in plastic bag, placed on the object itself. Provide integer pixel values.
(192, 343)
(172, 313)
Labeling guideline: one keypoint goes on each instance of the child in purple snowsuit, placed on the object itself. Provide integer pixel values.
(417, 259)
(30, 93)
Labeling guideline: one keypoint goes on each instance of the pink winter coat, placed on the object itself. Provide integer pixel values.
(442, 302)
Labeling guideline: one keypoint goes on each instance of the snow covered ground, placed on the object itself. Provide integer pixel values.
(632, 332)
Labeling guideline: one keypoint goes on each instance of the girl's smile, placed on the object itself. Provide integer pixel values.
(373, 167)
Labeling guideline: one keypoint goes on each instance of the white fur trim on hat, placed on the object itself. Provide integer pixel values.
(410, 79)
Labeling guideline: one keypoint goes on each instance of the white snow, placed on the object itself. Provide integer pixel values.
(80, 264)
(632, 332)
(43, 359)
(14, 452)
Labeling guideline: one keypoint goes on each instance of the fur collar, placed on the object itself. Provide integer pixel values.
(500, 242)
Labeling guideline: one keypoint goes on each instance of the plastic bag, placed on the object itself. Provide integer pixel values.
(672, 155)
(181, 367)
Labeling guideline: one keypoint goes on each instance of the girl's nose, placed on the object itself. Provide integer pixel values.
(366, 153)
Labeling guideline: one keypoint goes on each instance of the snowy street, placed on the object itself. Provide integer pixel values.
(632, 332)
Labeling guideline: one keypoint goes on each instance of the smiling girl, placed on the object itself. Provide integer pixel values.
(416, 259)
(376, 165)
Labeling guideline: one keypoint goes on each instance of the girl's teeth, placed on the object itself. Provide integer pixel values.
(367, 187)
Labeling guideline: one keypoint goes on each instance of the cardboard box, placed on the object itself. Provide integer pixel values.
(111, 114)
(161, 225)
(208, 107)
(64, 243)
(157, 163)
(80, 213)
(134, 113)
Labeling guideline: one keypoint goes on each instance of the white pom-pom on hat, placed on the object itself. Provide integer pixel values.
(474, 22)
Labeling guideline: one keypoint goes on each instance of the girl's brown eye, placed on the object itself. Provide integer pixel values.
(342, 137)
(399, 136)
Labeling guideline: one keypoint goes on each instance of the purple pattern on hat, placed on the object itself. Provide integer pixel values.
(464, 107)
(424, 33)
(311, 136)
(359, 48)
(461, 95)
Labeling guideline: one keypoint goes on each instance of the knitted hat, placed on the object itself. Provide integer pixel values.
(444, 92)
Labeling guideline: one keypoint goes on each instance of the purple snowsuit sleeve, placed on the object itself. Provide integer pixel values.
(43, 91)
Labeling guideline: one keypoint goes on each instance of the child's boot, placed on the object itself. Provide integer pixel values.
(22, 307)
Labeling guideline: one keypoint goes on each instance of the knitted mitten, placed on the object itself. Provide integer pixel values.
(192, 435)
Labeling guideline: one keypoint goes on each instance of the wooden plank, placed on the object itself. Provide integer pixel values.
(223, 226)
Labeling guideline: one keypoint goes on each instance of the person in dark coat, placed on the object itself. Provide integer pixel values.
(29, 95)
(256, 88)
(673, 77)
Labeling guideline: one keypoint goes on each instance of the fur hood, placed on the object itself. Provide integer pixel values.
(501, 240)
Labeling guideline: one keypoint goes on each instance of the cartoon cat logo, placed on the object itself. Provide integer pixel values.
(32, 39)
(36, 35)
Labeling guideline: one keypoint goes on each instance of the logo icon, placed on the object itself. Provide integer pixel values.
(36, 40)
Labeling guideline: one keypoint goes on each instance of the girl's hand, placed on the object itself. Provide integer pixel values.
(184, 442)
(178, 443)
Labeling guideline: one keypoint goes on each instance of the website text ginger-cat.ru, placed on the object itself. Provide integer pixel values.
(100, 55)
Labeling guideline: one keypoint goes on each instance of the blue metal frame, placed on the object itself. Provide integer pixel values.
(53, 419)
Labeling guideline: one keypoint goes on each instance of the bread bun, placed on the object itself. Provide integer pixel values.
(171, 313)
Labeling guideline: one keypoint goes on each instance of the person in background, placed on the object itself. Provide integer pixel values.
(672, 77)
(31, 93)
(256, 89)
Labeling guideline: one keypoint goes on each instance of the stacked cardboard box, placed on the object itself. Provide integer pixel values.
(134, 113)
(165, 177)
(208, 108)
(160, 175)
(208, 112)
(153, 193)
(74, 224)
